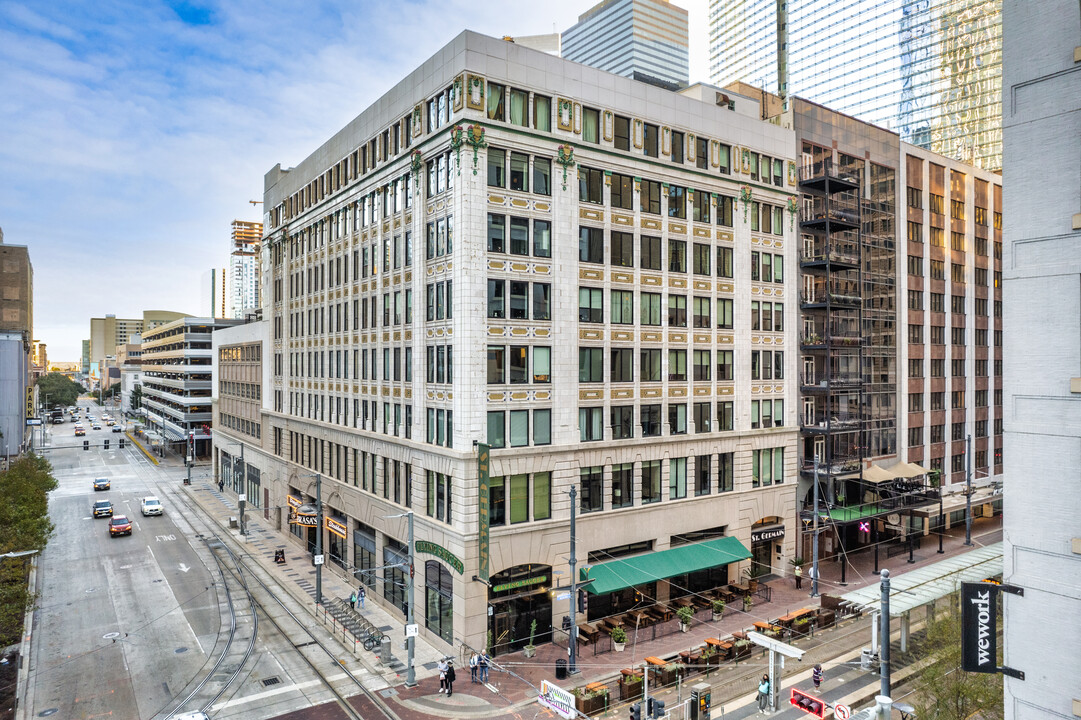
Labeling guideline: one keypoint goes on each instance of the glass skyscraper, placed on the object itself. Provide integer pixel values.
(641, 39)
(930, 70)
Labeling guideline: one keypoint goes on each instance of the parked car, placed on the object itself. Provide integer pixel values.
(151, 506)
(119, 525)
(102, 484)
(102, 508)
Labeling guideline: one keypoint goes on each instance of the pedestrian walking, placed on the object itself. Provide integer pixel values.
(763, 694)
(450, 678)
(816, 676)
(221, 486)
(483, 665)
(360, 596)
(474, 661)
(442, 667)
(799, 577)
(353, 600)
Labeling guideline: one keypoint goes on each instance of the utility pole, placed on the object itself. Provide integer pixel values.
(319, 539)
(941, 520)
(884, 620)
(968, 490)
(572, 643)
(814, 538)
(243, 485)
(411, 641)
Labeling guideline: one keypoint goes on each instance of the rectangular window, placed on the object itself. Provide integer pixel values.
(519, 300)
(703, 365)
(496, 429)
(725, 207)
(701, 259)
(725, 365)
(518, 364)
(677, 256)
(590, 245)
(622, 133)
(650, 256)
(651, 481)
(497, 307)
(542, 238)
(497, 167)
(497, 233)
(622, 307)
(590, 364)
(590, 305)
(591, 120)
(677, 478)
(650, 420)
(677, 202)
(592, 480)
(519, 428)
(650, 197)
(519, 236)
(542, 113)
(590, 185)
(702, 416)
(650, 308)
(677, 147)
(677, 311)
(622, 252)
(650, 140)
(623, 485)
(622, 191)
(542, 176)
(542, 362)
(622, 422)
(542, 301)
(677, 419)
(677, 365)
(590, 424)
(726, 415)
(650, 365)
(542, 427)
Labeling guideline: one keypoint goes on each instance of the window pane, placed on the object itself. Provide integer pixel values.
(542, 506)
(542, 360)
(519, 428)
(497, 161)
(542, 427)
(495, 429)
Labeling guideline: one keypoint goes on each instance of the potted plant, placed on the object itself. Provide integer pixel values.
(619, 638)
(531, 649)
(752, 574)
(748, 603)
(802, 626)
(711, 656)
(718, 609)
(741, 648)
(685, 615)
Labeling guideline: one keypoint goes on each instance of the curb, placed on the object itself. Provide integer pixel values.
(139, 445)
(22, 680)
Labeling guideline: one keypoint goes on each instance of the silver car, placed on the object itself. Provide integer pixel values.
(151, 506)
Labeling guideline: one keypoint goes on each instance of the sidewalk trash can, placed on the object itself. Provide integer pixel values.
(867, 658)
(561, 669)
(384, 651)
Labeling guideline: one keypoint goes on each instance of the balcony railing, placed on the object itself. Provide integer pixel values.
(836, 421)
(827, 168)
(838, 381)
(836, 208)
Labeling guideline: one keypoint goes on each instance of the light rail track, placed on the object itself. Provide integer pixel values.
(236, 571)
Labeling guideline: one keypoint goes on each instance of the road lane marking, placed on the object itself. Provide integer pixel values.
(277, 691)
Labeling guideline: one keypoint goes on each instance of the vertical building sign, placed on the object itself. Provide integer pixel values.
(482, 503)
(29, 402)
(979, 640)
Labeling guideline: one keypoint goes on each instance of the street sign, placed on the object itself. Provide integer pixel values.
(33, 421)
(842, 712)
(411, 630)
(317, 560)
(242, 497)
(563, 596)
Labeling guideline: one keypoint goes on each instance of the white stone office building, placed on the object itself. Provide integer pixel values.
(1041, 117)
(582, 272)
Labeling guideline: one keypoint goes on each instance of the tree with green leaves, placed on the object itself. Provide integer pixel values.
(944, 690)
(58, 390)
(24, 525)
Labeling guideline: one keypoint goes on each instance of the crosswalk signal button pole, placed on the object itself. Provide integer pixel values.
(808, 703)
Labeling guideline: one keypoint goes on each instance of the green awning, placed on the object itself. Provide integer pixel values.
(629, 572)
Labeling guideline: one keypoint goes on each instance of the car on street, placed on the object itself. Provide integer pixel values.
(151, 506)
(119, 525)
(102, 508)
(110, 422)
(117, 429)
(79, 431)
(96, 426)
(102, 484)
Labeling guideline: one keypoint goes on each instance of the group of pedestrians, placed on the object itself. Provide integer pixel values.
(446, 676)
(357, 595)
(764, 687)
(478, 667)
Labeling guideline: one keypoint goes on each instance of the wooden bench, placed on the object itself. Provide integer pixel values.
(796, 615)
(766, 627)
(595, 686)
(720, 644)
(654, 660)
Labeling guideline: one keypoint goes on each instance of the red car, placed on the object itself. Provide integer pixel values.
(119, 525)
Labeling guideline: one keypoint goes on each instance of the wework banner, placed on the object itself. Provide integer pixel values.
(979, 640)
(482, 503)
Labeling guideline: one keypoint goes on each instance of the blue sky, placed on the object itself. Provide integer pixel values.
(135, 131)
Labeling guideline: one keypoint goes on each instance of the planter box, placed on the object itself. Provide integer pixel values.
(630, 690)
(826, 618)
(741, 651)
(591, 705)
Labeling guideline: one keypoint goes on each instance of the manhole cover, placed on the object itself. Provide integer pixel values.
(271, 681)
(180, 650)
(110, 636)
(47, 713)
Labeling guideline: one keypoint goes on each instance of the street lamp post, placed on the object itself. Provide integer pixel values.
(410, 616)
(968, 490)
(243, 481)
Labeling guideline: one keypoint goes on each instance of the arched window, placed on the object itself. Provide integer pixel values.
(438, 599)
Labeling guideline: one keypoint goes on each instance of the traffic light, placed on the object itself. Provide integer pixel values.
(583, 602)
(86, 444)
(808, 703)
(121, 442)
(649, 707)
(658, 708)
(636, 711)
(106, 443)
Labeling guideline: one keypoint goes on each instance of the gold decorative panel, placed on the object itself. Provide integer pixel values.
(622, 277)
(496, 199)
(519, 332)
(702, 339)
(495, 397)
(725, 287)
(590, 335)
(519, 396)
(588, 214)
(677, 337)
(651, 336)
(703, 285)
(622, 336)
(701, 232)
(724, 339)
(474, 92)
(704, 391)
(649, 224)
(496, 331)
(587, 274)
(496, 264)
(519, 267)
(590, 394)
(542, 395)
(724, 235)
(622, 219)
(653, 392)
(677, 392)
(542, 332)
(677, 282)
(677, 228)
(519, 203)
(542, 206)
(623, 394)
(725, 390)
(651, 280)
